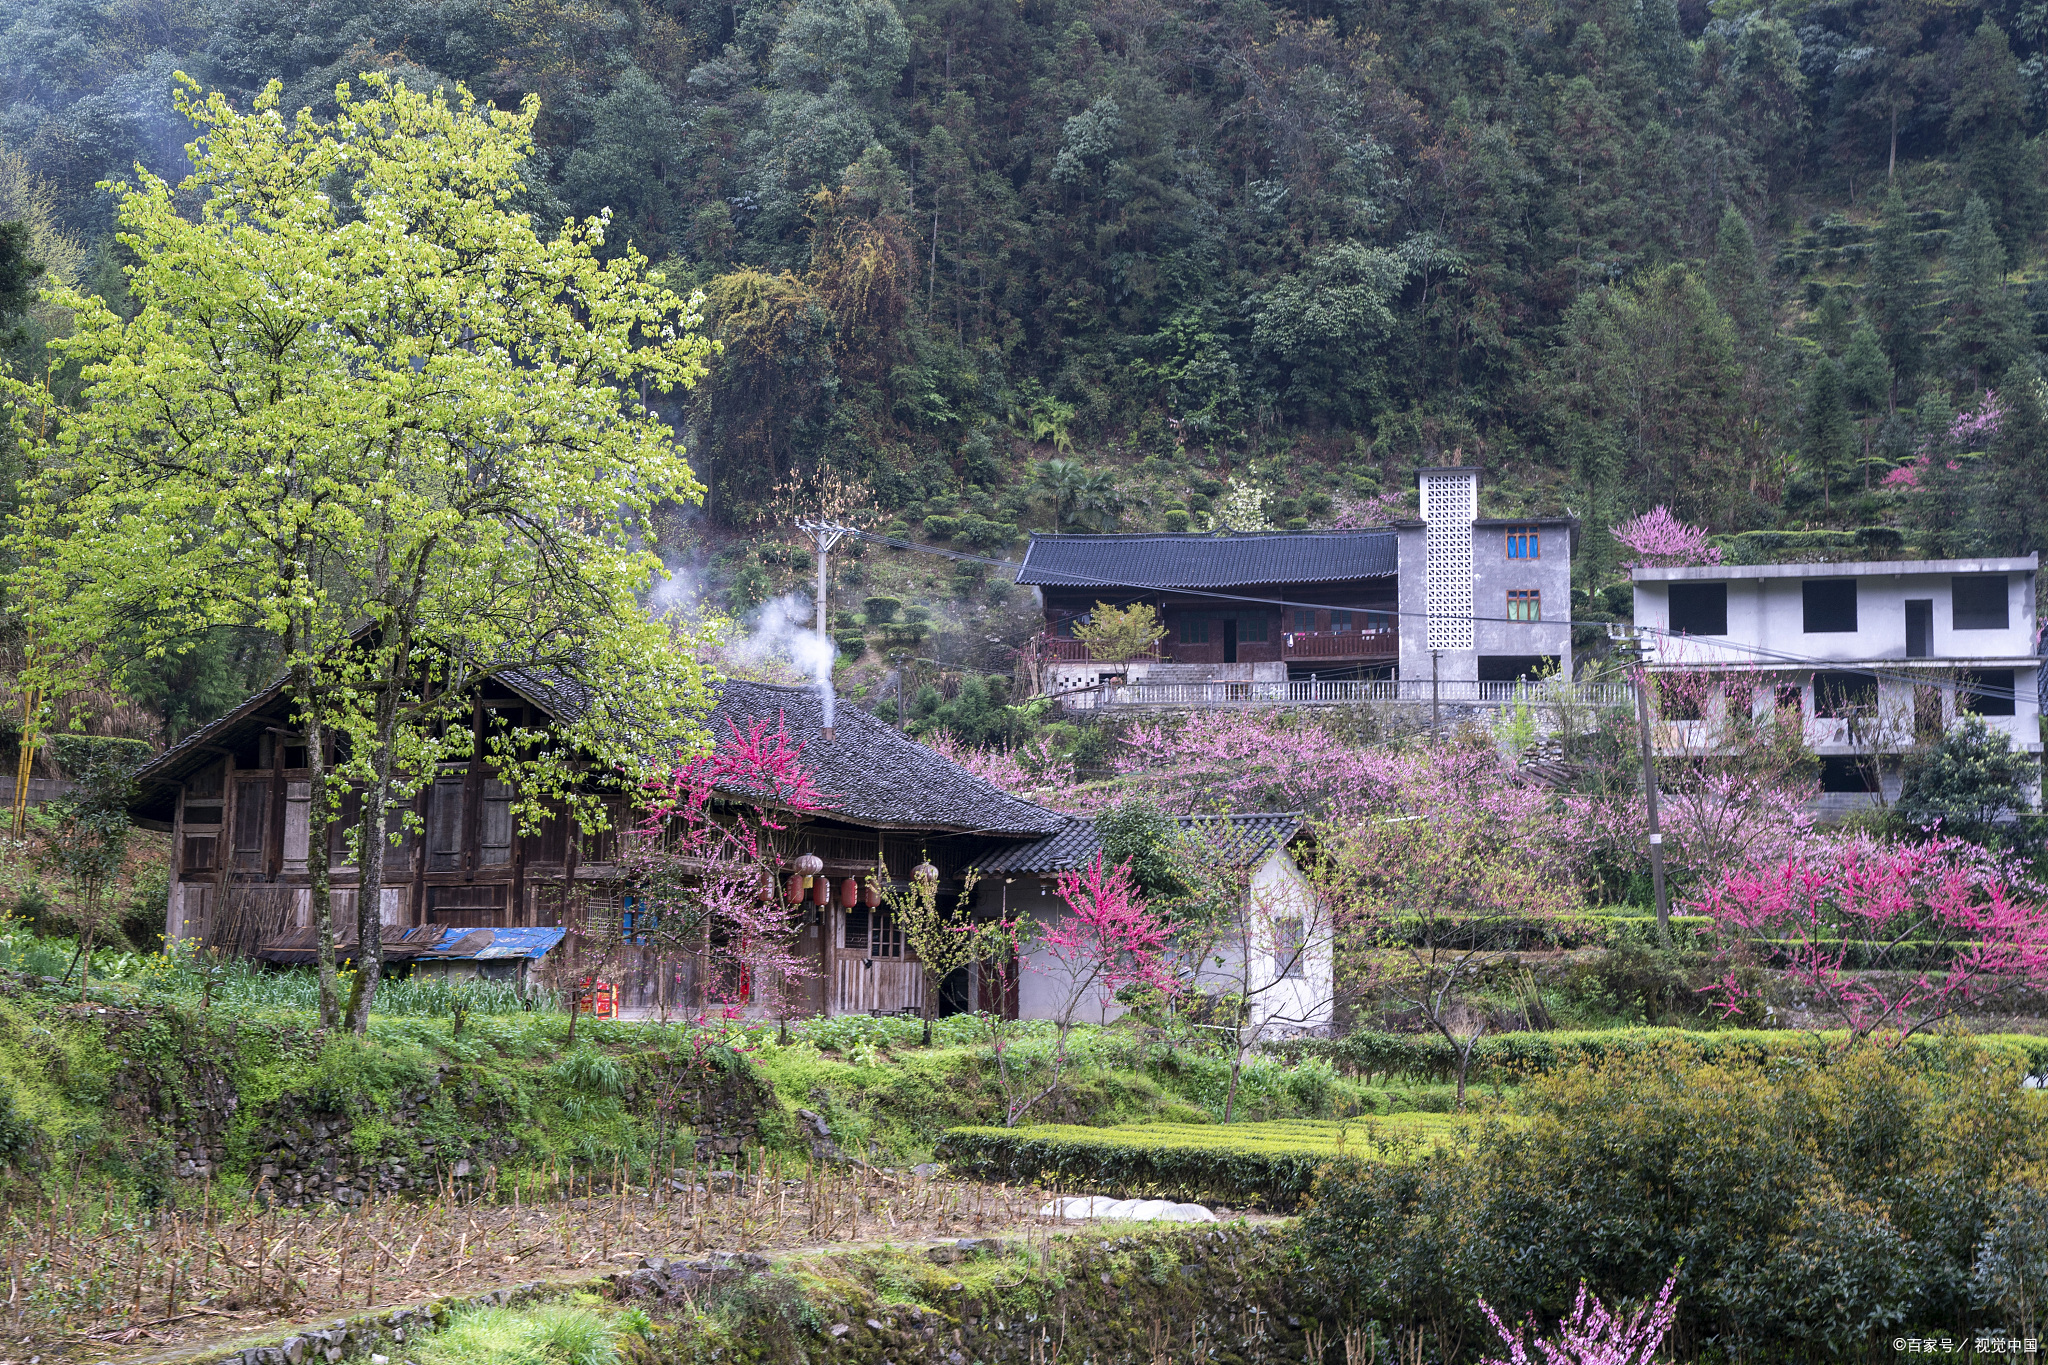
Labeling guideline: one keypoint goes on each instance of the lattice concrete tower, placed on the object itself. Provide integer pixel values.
(1450, 504)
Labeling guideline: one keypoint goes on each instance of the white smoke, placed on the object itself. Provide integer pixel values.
(783, 634)
(679, 592)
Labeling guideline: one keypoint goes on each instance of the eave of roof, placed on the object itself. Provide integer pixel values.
(1241, 840)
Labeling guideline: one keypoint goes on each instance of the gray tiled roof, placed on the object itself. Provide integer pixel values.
(1236, 840)
(1191, 561)
(870, 774)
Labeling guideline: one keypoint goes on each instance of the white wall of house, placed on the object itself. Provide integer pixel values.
(1765, 632)
(1277, 894)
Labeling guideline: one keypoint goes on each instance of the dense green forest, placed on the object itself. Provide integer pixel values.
(1055, 264)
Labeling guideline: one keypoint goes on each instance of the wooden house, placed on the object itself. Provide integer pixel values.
(234, 797)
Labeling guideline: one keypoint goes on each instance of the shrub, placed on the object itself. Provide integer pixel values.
(1177, 519)
(880, 611)
(1817, 1210)
(941, 528)
(1233, 1163)
(1508, 1056)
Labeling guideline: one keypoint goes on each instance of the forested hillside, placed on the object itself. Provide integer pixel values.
(1042, 264)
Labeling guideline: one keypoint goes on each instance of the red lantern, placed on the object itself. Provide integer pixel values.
(821, 891)
(870, 894)
(794, 891)
(849, 892)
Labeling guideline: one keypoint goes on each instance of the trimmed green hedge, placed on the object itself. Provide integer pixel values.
(1273, 1164)
(1581, 931)
(1508, 1056)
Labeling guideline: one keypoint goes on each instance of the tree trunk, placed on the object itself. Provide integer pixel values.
(370, 898)
(85, 960)
(319, 817)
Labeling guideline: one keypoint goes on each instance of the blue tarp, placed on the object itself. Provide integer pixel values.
(487, 944)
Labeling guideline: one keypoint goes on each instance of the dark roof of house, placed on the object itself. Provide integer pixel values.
(872, 774)
(869, 773)
(1206, 561)
(1237, 840)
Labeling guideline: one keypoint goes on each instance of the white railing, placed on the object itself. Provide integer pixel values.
(1405, 691)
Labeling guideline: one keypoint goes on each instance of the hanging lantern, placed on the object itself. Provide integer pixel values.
(793, 892)
(809, 866)
(925, 873)
(821, 891)
(870, 894)
(849, 892)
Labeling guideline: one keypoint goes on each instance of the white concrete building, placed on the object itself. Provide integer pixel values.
(1278, 949)
(1878, 657)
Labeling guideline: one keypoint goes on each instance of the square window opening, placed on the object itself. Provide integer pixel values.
(1839, 695)
(1699, 608)
(1845, 773)
(1980, 602)
(1829, 606)
(1987, 692)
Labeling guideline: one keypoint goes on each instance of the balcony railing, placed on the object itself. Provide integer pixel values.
(1348, 645)
(1406, 691)
(1340, 644)
(1056, 649)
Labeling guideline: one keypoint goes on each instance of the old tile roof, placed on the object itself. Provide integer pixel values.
(870, 774)
(1236, 840)
(1207, 561)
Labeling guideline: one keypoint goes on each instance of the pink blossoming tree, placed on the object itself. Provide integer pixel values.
(1881, 937)
(703, 866)
(1434, 867)
(1107, 939)
(1661, 541)
(1974, 426)
(1592, 1335)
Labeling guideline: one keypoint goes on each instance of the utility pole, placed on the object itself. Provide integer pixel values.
(1642, 686)
(825, 535)
(1436, 733)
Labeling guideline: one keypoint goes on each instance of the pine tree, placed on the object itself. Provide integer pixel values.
(1985, 331)
(1737, 278)
(1895, 293)
(1987, 120)
(1826, 426)
(2017, 511)
(1866, 382)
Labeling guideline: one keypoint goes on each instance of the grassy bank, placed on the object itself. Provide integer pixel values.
(149, 1089)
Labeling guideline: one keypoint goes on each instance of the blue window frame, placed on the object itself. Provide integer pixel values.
(1252, 627)
(1340, 620)
(1524, 543)
(637, 919)
(1194, 630)
(1304, 619)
